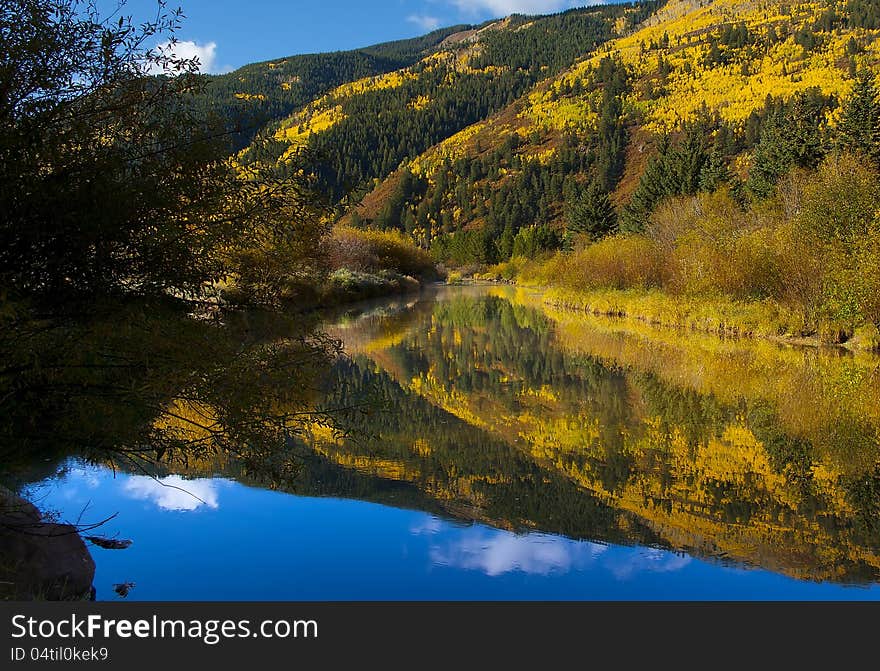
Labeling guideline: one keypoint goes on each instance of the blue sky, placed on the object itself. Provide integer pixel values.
(227, 34)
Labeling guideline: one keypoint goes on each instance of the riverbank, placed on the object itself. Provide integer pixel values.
(716, 315)
(350, 286)
(354, 265)
(39, 558)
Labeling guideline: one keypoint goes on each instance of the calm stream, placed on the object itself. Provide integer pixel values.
(511, 451)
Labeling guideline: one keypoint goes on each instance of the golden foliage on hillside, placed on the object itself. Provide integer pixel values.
(668, 56)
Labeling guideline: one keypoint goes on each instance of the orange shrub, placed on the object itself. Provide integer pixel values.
(372, 251)
(711, 246)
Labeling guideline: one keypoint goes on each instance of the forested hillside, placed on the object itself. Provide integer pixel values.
(361, 131)
(686, 147)
(700, 96)
(256, 94)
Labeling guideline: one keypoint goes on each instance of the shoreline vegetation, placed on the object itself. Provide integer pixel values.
(802, 266)
(717, 316)
(356, 265)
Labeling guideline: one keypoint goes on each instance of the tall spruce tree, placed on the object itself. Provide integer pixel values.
(860, 126)
(675, 170)
(715, 172)
(592, 213)
(793, 135)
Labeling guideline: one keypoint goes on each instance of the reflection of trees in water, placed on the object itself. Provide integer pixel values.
(717, 473)
(144, 383)
(411, 452)
(470, 406)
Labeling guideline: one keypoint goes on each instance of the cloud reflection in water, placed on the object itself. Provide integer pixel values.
(173, 492)
(495, 552)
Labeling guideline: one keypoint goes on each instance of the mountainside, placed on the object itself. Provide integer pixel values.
(363, 130)
(528, 175)
(256, 94)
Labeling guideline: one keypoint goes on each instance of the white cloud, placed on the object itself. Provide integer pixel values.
(498, 552)
(173, 492)
(506, 7)
(427, 527)
(426, 23)
(650, 560)
(205, 53)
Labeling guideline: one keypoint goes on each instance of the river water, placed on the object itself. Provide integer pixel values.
(507, 450)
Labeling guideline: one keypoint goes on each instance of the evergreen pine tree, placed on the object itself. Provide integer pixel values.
(792, 135)
(860, 126)
(674, 171)
(504, 244)
(592, 213)
(715, 172)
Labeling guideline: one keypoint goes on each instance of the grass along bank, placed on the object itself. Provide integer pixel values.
(717, 315)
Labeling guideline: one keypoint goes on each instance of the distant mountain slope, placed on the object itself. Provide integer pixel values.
(592, 129)
(259, 93)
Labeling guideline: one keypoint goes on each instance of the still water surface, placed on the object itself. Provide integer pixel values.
(515, 452)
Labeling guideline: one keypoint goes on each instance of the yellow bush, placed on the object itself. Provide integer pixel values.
(806, 262)
(620, 262)
(869, 263)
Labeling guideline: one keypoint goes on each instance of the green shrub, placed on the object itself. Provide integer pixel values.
(840, 203)
(346, 285)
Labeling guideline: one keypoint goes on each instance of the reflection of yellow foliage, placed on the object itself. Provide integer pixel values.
(811, 389)
(422, 447)
(680, 483)
(189, 421)
(545, 393)
(324, 434)
(383, 343)
(736, 457)
(383, 468)
(420, 103)
(548, 437)
(451, 400)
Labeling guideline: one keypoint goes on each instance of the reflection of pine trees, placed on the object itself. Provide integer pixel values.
(460, 469)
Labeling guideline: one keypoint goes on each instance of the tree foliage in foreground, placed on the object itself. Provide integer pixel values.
(117, 200)
(111, 179)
